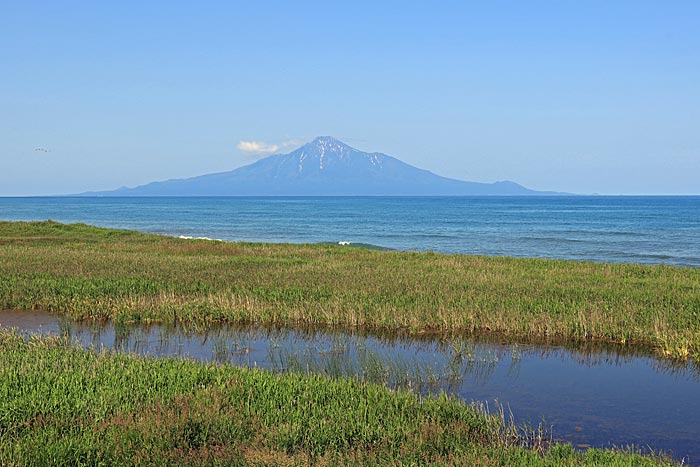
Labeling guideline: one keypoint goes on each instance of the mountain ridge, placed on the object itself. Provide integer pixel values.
(323, 167)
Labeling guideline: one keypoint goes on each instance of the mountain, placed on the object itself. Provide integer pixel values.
(323, 167)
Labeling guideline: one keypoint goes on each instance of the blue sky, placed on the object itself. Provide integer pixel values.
(579, 96)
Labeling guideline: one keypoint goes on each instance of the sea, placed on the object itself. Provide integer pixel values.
(619, 229)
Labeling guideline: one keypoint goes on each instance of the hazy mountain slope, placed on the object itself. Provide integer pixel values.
(323, 167)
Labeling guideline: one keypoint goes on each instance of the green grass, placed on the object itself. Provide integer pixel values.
(62, 405)
(89, 272)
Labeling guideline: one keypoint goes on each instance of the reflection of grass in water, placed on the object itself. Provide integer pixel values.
(354, 360)
(142, 337)
(515, 353)
(62, 405)
(339, 345)
(241, 347)
(455, 371)
(584, 353)
(336, 366)
(65, 328)
(220, 350)
(461, 349)
(350, 356)
(373, 368)
(122, 334)
(225, 341)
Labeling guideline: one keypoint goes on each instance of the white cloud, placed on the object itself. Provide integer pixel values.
(257, 147)
(261, 148)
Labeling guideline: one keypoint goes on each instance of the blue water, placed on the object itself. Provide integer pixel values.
(612, 229)
(589, 395)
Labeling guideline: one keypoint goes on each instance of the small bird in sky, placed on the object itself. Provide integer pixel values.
(41, 150)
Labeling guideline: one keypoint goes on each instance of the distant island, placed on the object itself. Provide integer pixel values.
(324, 167)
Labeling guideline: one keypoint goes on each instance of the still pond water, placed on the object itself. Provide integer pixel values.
(588, 395)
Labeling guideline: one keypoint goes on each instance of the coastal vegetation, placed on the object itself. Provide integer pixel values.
(64, 405)
(95, 273)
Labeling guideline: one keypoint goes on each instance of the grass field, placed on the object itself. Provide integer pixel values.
(61, 405)
(89, 272)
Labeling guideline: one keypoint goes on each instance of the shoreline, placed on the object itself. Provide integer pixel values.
(128, 276)
(624, 230)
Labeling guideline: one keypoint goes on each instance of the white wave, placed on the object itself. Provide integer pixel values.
(185, 237)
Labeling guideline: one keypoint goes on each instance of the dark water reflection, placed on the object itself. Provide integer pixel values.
(593, 395)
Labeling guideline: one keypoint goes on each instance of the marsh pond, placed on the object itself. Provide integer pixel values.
(589, 395)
